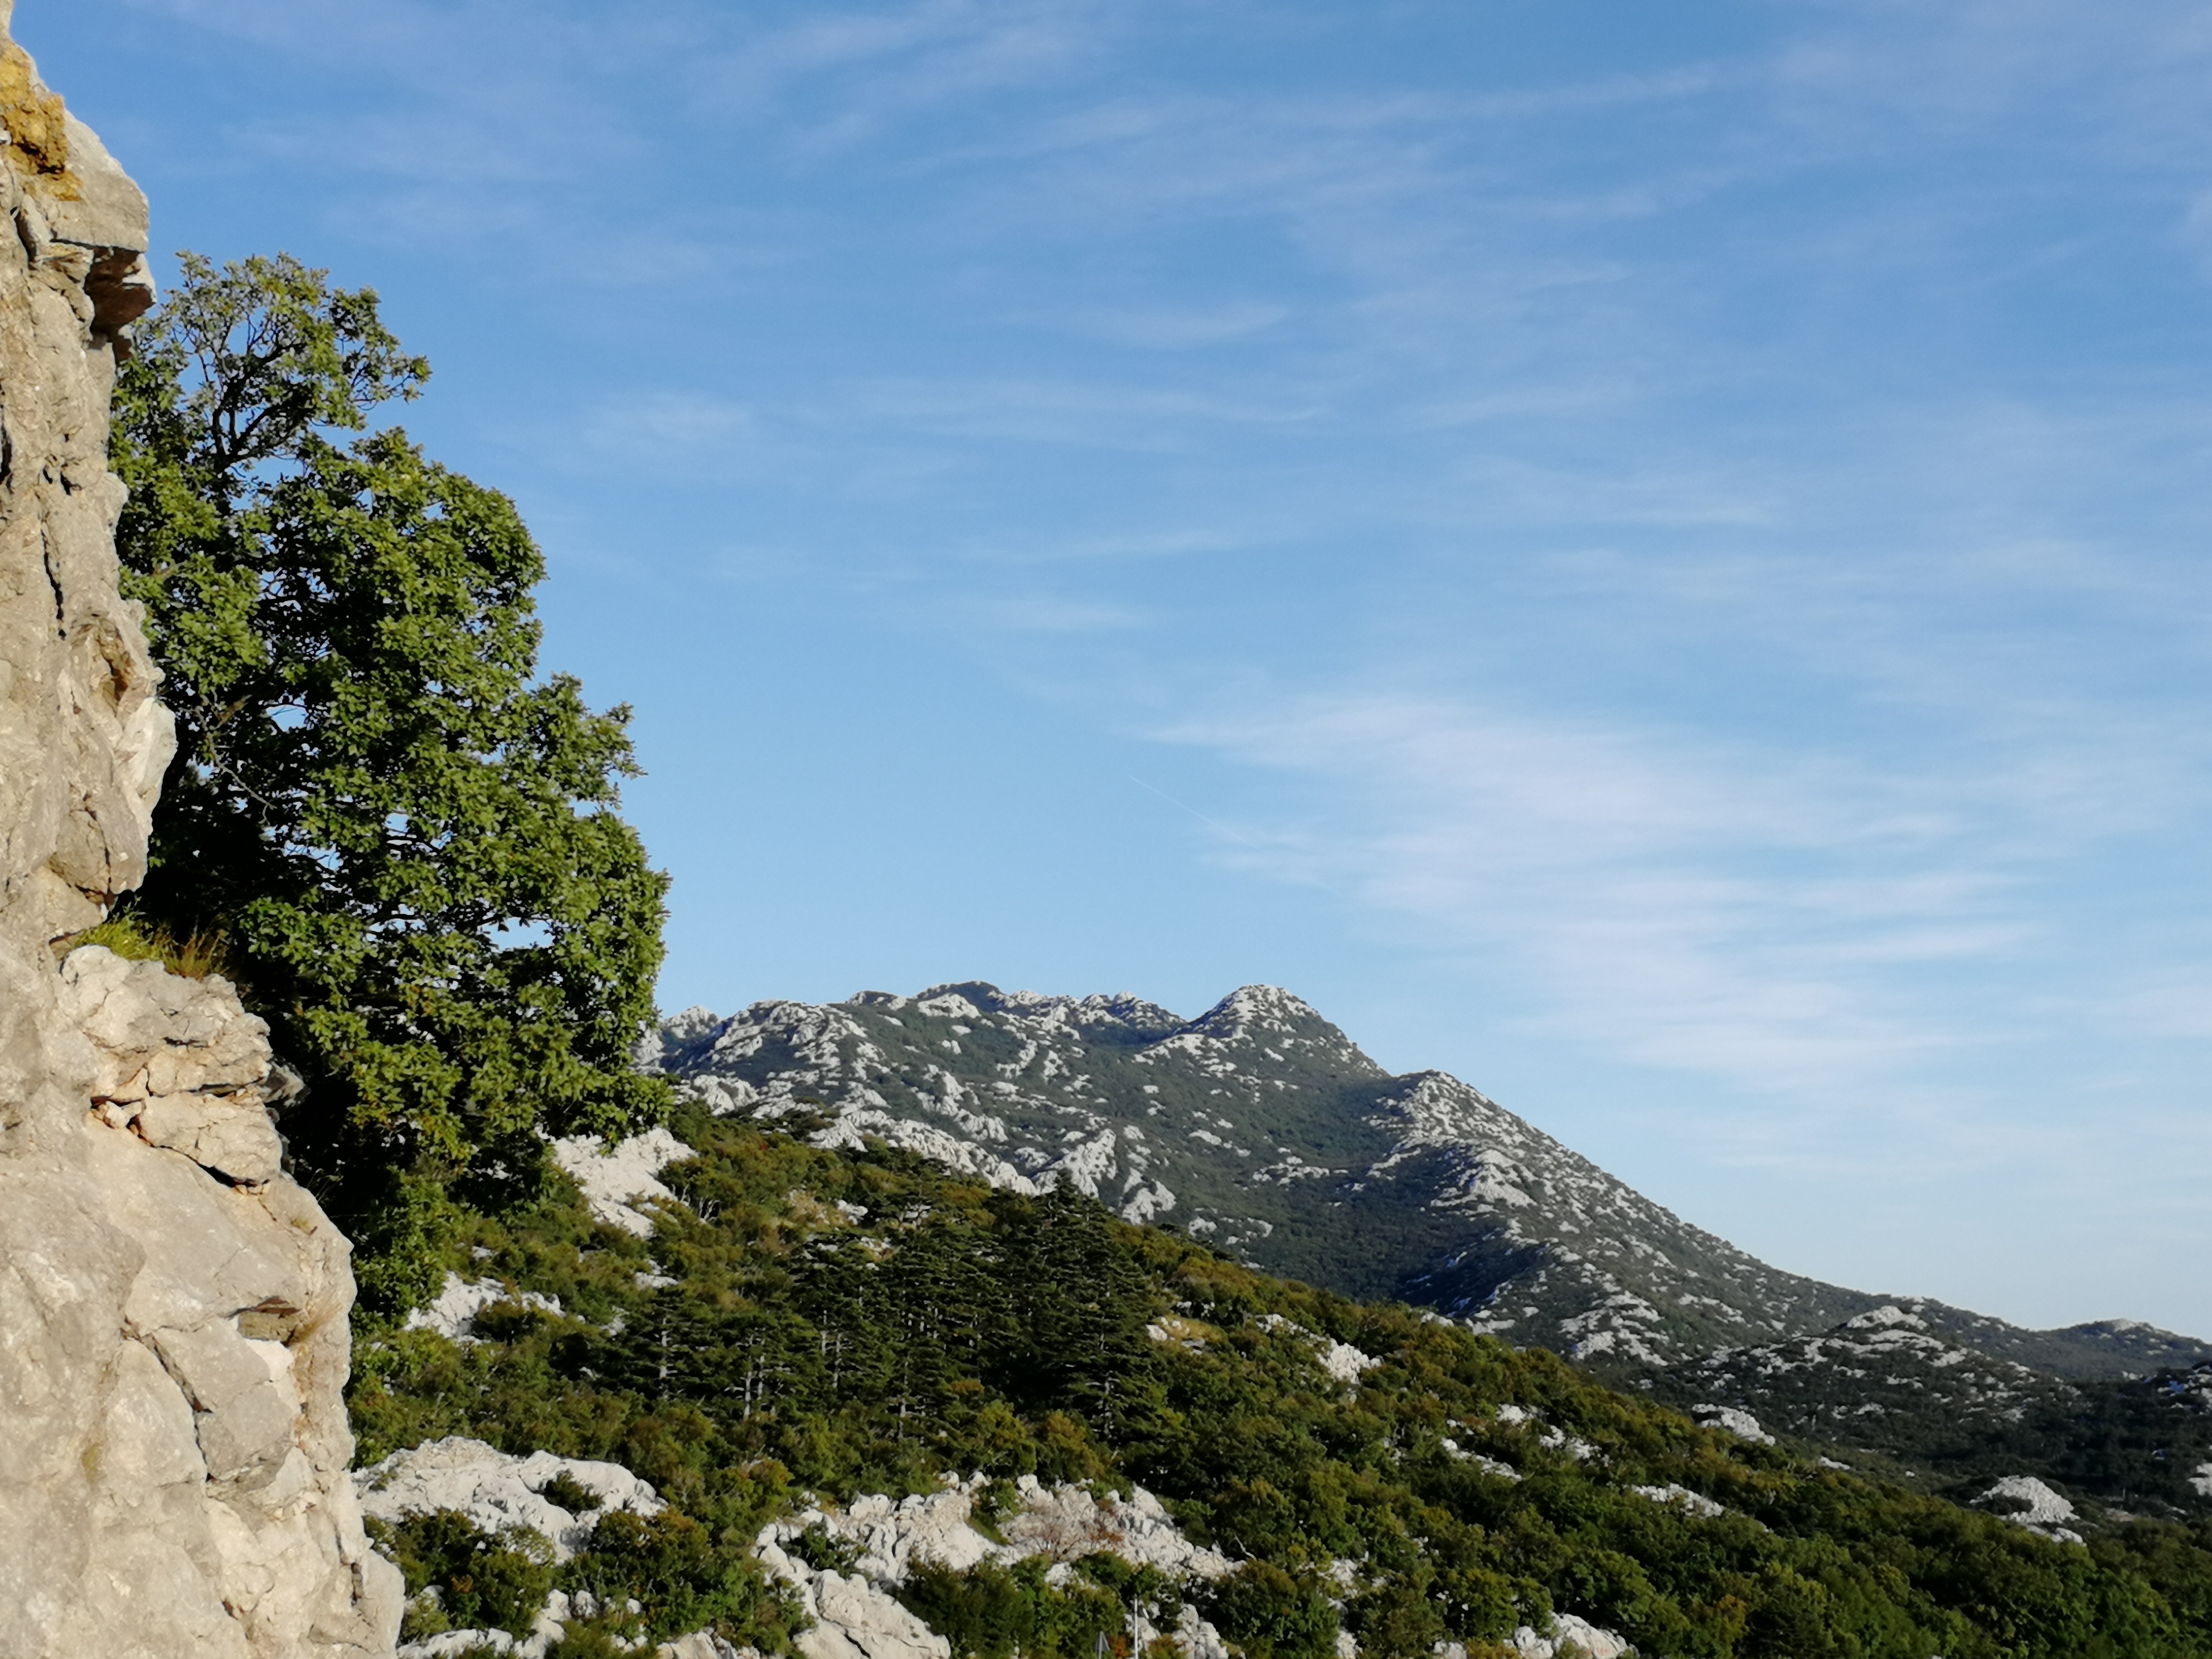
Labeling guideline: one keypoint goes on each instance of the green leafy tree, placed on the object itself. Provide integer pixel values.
(408, 835)
(1271, 1615)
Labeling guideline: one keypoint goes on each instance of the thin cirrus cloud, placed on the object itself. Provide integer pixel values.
(1699, 514)
(1730, 910)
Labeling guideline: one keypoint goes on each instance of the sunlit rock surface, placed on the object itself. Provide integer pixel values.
(172, 1306)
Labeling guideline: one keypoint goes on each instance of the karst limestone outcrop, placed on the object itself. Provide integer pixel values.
(856, 1615)
(173, 1307)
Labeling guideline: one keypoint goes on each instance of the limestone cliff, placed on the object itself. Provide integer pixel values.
(172, 1306)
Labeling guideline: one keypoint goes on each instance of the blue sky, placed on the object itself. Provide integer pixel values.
(1651, 557)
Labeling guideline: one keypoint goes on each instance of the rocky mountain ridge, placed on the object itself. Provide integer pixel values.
(1262, 1128)
(1886, 1390)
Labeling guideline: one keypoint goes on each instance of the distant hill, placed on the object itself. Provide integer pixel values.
(1262, 1129)
(1886, 1386)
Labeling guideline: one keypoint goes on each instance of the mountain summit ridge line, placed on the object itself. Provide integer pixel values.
(1262, 1129)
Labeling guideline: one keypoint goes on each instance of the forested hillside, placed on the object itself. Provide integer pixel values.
(805, 1322)
(1885, 1386)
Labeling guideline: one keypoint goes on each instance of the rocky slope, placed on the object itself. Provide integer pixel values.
(173, 1307)
(1886, 1388)
(928, 1414)
(1882, 1384)
(1260, 1127)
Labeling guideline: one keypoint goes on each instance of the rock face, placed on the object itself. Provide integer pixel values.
(496, 1491)
(616, 1180)
(173, 1307)
(2026, 1502)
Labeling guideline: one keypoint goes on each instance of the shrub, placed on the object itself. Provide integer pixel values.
(200, 953)
(684, 1577)
(1271, 1615)
(482, 1581)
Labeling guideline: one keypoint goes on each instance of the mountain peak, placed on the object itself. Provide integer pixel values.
(1264, 1004)
(694, 1021)
(1259, 1129)
(1275, 1024)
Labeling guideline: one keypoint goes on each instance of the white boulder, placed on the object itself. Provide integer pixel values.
(1570, 1637)
(616, 1180)
(891, 1537)
(452, 1312)
(1681, 1497)
(496, 1489)
(1732, 1419)
(2026, 1502)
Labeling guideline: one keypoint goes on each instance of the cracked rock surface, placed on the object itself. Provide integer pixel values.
(856, 1616)
(172, 1306)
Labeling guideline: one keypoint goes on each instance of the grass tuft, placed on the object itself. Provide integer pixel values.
(194, 957)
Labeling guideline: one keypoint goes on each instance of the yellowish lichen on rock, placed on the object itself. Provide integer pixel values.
(37, 128)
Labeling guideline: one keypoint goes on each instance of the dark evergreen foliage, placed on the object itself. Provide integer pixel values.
(955, 1329)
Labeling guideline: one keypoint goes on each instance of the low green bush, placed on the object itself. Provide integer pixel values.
(682, 1576)
(478, 1580)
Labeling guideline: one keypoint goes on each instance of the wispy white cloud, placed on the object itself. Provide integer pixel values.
(1775, 471)
(842, 80)
(1807, 928)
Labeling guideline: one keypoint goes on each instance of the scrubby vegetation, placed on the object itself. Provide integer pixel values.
(483, 1581)
(852, 1323)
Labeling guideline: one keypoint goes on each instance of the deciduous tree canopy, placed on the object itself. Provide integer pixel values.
(407, 834)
